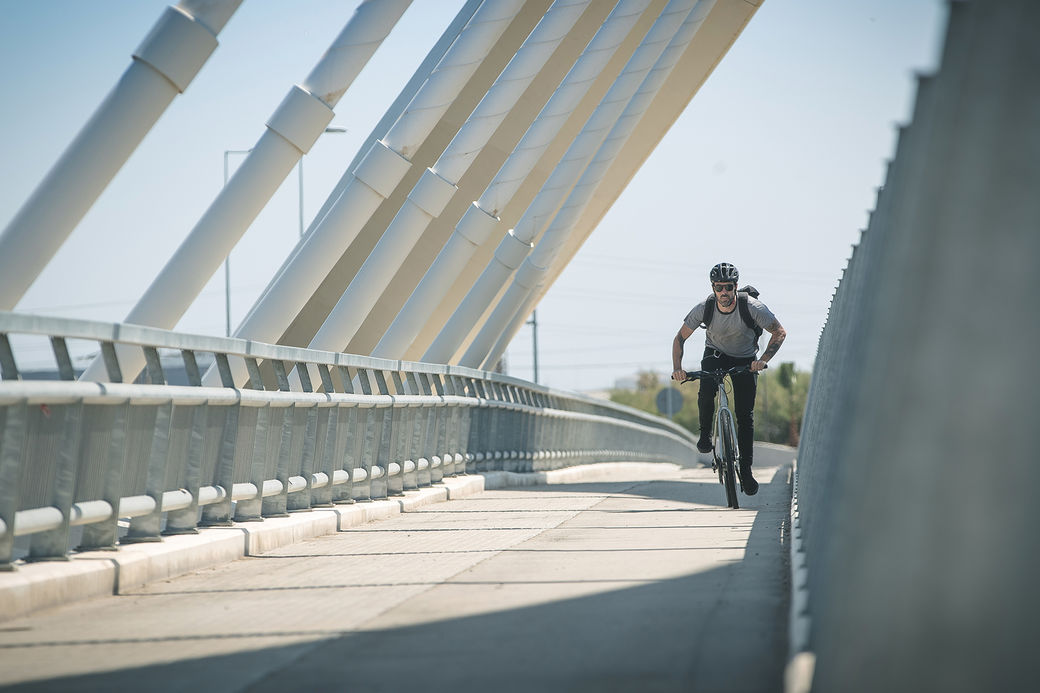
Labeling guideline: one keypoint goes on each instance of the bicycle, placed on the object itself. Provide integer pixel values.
(725, 453)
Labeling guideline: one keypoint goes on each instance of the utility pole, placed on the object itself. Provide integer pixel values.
(533, 322)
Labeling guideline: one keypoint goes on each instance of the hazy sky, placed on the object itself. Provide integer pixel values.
(773, 166)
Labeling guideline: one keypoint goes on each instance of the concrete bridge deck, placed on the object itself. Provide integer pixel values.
(644, 584)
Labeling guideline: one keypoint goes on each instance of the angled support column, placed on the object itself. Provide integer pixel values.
(291, 132)
(439, 183)
(163, 66)
(376, 177)
(721, 29)
(534, 221)
(478, 225)
(507, 315)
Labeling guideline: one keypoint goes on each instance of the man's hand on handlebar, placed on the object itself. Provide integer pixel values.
(718, 375)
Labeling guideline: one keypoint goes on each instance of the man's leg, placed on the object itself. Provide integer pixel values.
(745, 387)
(706, 402)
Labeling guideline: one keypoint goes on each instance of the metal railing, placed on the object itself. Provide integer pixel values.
(167, 459)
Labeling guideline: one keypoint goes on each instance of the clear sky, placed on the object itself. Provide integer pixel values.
(773, 166)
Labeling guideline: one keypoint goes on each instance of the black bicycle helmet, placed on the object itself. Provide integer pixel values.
(724, 272)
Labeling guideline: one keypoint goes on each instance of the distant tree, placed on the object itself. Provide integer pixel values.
(648, 381)
(782, 392)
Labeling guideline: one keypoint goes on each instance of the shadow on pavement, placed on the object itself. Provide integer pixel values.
(719, 630)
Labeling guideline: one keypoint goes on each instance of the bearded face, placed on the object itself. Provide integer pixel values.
(725, 294)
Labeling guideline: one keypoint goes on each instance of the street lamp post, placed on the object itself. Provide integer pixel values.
(533, 322)
(299, 168)
(227, 260)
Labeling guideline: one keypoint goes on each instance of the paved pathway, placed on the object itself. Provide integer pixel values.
(619, 586)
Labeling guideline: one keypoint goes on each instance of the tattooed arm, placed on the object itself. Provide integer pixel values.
(777, 336)
(677, 352)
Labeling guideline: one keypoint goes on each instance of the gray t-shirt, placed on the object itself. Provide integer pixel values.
(727, 332)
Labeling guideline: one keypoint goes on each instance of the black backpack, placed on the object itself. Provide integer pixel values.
(742, 308)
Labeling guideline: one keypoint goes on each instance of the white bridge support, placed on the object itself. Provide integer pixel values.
(163, 66)
(477, 225)
(291, 132)
(377, 176)
(518, 242)
(514, 305)
(439, 183)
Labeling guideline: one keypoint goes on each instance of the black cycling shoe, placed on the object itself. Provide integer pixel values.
(704, 445)
(747, 481)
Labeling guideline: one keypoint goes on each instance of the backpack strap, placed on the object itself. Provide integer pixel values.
(709, 311)
(745, 315)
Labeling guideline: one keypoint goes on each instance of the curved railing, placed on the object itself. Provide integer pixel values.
(131, 461)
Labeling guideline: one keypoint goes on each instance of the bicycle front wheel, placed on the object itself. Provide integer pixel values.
(729, 462)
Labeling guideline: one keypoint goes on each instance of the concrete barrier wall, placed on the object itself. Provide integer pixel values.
(915, 471)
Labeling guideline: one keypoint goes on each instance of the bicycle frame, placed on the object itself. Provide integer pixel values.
(725, 452)
(722, 411)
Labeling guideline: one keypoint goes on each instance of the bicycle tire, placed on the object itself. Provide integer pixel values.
(729, 462)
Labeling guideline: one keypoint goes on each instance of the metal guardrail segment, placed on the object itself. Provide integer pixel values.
(132, 461)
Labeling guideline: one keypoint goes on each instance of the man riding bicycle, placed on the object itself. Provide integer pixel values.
(730, 342)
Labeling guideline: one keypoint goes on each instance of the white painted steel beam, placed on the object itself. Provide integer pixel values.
(376, 177)
(480, 220)
(516, 244)
(720, 30)
(438, 184)
(291, 132)
(509, 313)
(163, 65)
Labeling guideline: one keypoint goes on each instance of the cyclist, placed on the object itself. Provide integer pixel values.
(730, 342)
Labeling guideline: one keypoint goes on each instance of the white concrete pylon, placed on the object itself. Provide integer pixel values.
(518, 242)
(291, 132)
(438, 184)
(531, 275)
(478, 224)
(163, 65)
(375, 178)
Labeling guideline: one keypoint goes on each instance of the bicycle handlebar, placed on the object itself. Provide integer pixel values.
(717, 375)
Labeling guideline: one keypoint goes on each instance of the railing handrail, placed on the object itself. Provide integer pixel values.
(145, 336)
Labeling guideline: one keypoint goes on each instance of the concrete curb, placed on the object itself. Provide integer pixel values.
(586, 473)
(35, 586)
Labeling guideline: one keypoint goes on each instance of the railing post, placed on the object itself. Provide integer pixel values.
(54, 544)
(368, 443)
(328, 431)
(218, 514)
(146, 528)
(276, 506)
(352, 438)
(308, 428)
(14, 424)
(185, 521)
(382, 439)
(257, 422)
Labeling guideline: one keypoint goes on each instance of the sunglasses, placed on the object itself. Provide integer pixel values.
(722, 287)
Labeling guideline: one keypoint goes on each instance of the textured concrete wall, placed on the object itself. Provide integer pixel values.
(916, 471)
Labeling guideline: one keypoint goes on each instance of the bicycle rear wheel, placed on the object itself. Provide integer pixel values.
(729, 464)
